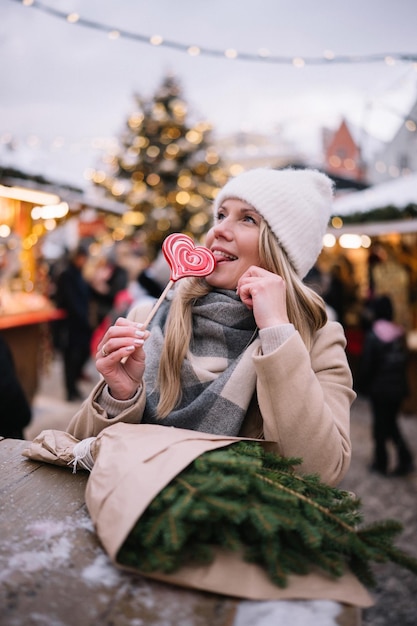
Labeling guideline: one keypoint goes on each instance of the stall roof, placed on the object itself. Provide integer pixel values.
(94, 200)
(398, 193)
(374, 229)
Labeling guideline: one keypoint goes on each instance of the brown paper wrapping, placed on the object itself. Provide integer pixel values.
(136, 461)
(52, 446)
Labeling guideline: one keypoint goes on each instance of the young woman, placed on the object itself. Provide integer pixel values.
(248, 350)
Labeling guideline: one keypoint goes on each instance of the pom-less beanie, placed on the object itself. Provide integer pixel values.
(296, 204)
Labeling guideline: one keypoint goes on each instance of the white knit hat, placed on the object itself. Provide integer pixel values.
(296, 204)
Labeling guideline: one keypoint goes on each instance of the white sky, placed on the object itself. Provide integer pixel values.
(60, 80)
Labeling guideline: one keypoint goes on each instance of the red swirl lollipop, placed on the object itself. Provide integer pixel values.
(184, 259)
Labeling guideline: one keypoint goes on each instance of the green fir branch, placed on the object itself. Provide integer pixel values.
(244, 499)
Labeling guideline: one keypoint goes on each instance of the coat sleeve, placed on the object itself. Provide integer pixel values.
(91, 418)
(305, 398)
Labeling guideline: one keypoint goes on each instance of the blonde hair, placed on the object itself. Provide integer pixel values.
(306, 310)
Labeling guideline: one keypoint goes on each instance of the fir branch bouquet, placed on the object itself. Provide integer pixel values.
(243, 498)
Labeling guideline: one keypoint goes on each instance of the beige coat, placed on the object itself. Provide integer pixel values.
(302, 402)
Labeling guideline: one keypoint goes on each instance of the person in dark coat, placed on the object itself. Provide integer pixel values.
(15, 410)
(108, 280)
(382, 377)
(73, 296)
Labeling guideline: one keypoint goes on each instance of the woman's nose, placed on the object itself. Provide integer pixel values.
(222, 228)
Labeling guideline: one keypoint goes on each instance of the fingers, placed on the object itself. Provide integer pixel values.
(121, 339)
(264, 293)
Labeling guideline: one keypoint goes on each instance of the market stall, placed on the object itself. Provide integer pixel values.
(373, 239)
(25, 310)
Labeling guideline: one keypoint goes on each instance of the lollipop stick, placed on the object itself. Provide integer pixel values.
(154, 310)
(158, 304)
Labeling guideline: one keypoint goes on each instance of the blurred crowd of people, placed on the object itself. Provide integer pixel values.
(376, 324)
(93, 290)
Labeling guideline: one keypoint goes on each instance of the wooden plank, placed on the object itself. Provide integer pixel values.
(54, 571)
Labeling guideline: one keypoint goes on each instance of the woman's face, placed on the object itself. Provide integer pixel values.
(234, 241)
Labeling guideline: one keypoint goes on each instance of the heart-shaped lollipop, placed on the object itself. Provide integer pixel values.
(184, 259)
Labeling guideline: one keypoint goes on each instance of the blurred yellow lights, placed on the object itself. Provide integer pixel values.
(139, 187)
(329, 55)
(117, 188)
(141, 142)
(153, 179)
(298, 62)
(134, 218)
(160, 202)
(411, 126)
(337, 222)
(212, 157)
(159, 111)
(118, 234)
(28, 195)
(352, 242)
(30, 241)
(349, 164)
(172, 150)
(335, 161)
(27, 3)
(56, 211)
(179, 108)
(99, 176)
(263, 52)
(199, 220)
(235, 169)
(194, 51)
(38, 228)
(153, 151)
(114, 34)
(182, 197)
(173, 133)
(72, 18)
(50, 224)
(196, 201)
(230, 53)
(193, 136)
(4, 230)
(156, 40)
(184, 182)
(329, 240)
(135, 120)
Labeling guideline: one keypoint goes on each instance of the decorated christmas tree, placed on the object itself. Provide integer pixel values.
(165, 170)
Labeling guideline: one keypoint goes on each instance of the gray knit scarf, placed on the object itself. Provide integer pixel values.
(218, 377)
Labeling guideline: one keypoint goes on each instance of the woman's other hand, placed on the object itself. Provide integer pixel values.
(264, 293)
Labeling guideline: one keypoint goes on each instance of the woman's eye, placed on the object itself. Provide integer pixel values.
(220, 216)
(250, 218)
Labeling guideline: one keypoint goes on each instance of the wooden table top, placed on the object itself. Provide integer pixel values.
(54, 571)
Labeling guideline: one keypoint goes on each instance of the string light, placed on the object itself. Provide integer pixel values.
(263, 55)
